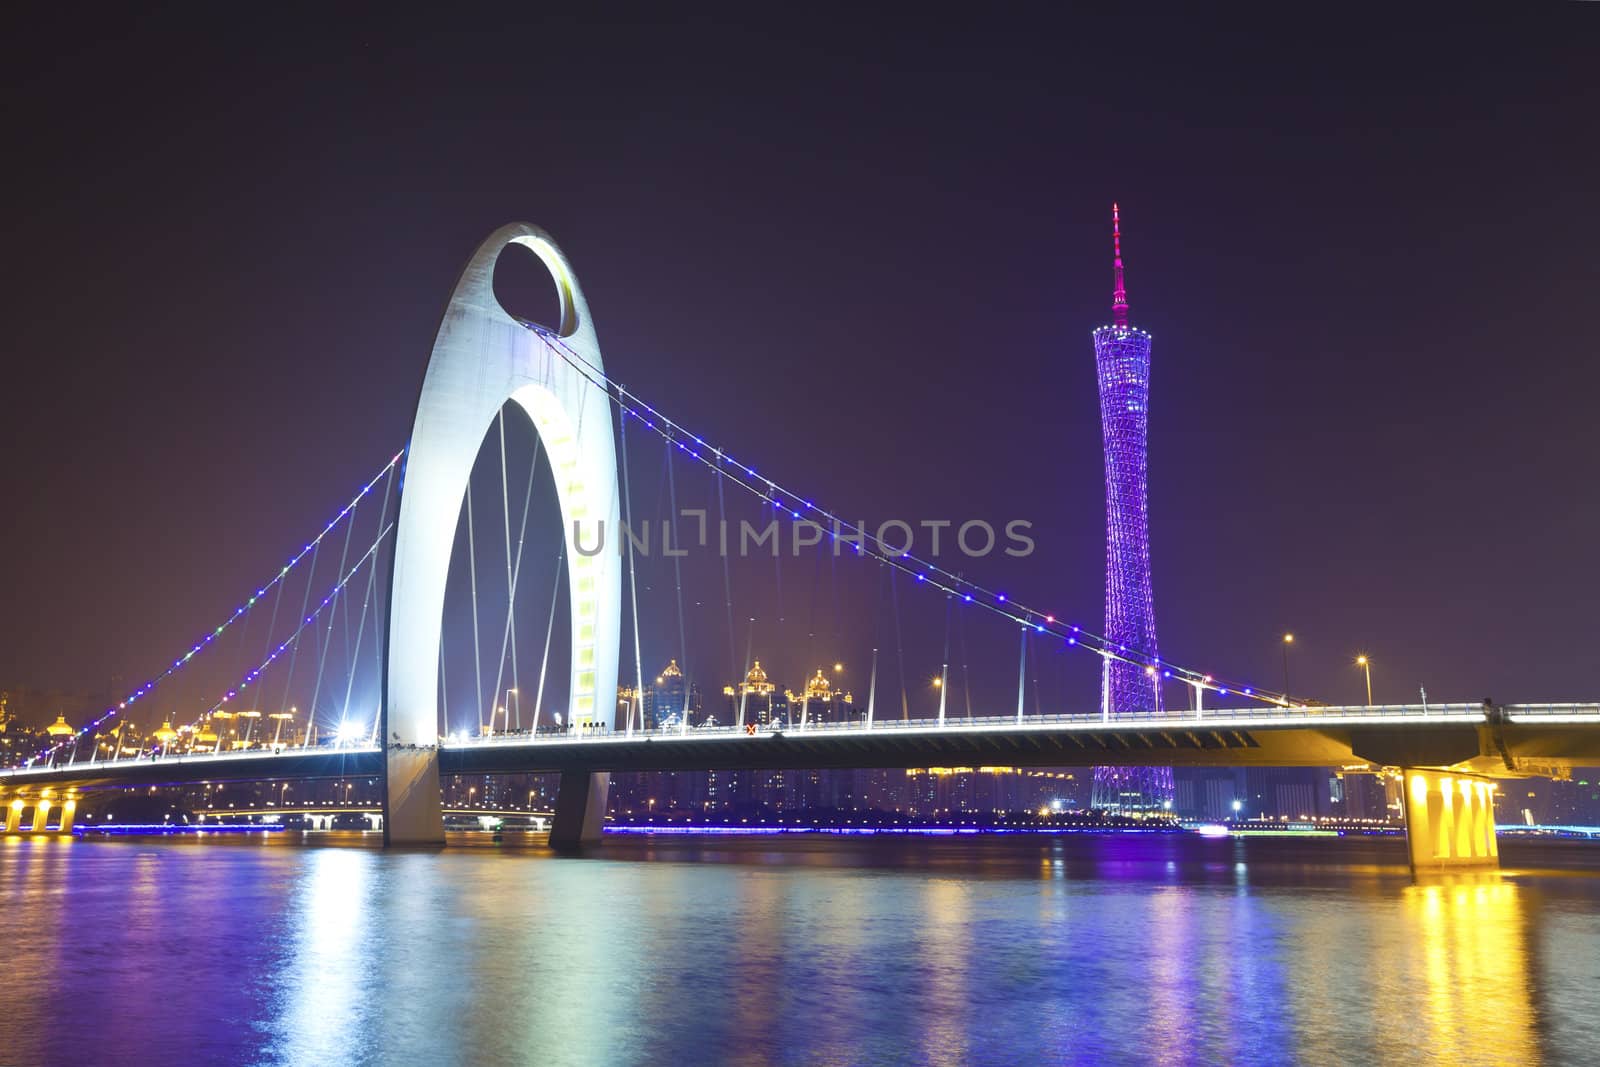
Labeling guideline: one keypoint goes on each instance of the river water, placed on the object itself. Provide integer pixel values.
(794, 950)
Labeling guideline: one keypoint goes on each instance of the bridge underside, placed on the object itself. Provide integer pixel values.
(1504, 752)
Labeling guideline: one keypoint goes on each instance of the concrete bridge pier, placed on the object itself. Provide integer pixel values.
(1450, 821)
(14, 815)
(41, 814)
(580, 809)
(69, 808)
(412, 808)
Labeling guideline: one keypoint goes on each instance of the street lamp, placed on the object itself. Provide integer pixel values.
(1288, 639)
(1366, 666)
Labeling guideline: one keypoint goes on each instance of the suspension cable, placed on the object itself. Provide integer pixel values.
(899, 646)
(633, 585)
(966, 670)
(869, 544)
(322, 657)
(513, 575)
(677, 577)
(549, 634)
(307, 621)
(727, 580)
(210, 638)
(294, 653)
(444, 686)
(366, 604)
(472, 567)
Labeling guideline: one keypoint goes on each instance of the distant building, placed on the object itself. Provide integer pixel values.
(755, 700)
(1551, 802)
(671, 698)
(818, 702)
(1288, 792)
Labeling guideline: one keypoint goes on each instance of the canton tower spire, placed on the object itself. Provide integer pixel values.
(1131, 684)
(1119, 295)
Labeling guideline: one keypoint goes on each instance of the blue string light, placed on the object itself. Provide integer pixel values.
(209, 638)
(997, 603)
(338, 588)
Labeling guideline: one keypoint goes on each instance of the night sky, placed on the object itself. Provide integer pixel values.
(866, 257)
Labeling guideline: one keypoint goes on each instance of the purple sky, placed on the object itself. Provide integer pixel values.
(868, 257)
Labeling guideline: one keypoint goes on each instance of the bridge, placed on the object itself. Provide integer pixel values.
(1477, 743)
(486, 361)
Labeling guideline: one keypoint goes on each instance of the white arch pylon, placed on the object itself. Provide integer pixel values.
(482, 358)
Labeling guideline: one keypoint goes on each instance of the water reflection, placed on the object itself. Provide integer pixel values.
(817, 951)
(327, 991)
(1470, 958)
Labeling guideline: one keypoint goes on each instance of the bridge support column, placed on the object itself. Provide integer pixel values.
(580, 809)
(412, 812)
(41, 813)
(14, 815)
(1450, 821)
(69, 808)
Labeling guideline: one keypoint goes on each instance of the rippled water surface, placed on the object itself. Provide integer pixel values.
(1120, 949)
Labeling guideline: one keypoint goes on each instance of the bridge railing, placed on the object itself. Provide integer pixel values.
(1208, 719)
(89, 767)
(1211, 718)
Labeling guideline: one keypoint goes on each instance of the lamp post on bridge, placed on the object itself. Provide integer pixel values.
(1288, 639)
(1366, 666)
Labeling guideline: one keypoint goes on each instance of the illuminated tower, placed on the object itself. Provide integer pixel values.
(1122, 359)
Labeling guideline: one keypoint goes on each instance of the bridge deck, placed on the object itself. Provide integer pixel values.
(1509, 740)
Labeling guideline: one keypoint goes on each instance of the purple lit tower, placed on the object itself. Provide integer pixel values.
(1122, 358)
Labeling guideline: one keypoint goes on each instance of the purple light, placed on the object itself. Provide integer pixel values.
(1122, 362)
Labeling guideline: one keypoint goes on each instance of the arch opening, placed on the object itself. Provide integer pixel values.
(526, 289)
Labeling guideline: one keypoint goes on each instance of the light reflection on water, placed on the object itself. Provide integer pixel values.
(1086, 949)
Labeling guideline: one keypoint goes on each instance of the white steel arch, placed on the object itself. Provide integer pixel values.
(483, 357)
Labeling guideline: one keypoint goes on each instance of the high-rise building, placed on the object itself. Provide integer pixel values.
(670, 699)
(755, 700)
(1122, 361)
(819, 702)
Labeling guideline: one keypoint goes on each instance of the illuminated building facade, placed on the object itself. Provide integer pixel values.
(819, 702)
(670, 698)
(1122, 360)
(755, 700)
